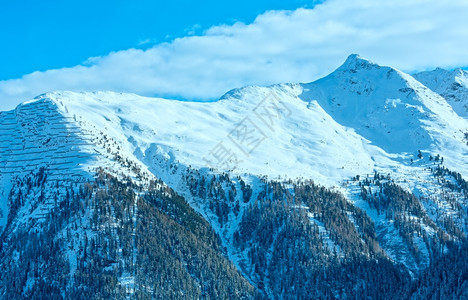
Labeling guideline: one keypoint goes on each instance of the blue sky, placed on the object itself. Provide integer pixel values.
(46, 34)
(200, 50)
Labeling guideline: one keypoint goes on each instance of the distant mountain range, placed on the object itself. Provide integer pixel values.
(351, 186)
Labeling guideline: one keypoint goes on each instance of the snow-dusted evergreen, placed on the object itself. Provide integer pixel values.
(349, 186)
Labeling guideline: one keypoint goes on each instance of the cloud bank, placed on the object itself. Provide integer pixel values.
(279, 46)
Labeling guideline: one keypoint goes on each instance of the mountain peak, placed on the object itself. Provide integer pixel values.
(356, 62)
(383, 104)
(460, 72)
(450, 84)
(355, 57)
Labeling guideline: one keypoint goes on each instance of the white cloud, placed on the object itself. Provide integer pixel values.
(279, 46)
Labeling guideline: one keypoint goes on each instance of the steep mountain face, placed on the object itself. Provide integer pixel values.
(350, 186)
(452, 85)
(386, 106)
(43, 134)
(104, 240)
(72, 229)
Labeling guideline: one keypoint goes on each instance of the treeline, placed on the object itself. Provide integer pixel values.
(284, 251)
(290, 258)
(409, 216)
(446, 277)
(115, 239)
(301, 240)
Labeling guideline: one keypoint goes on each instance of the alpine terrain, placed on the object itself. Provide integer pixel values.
(352, 186)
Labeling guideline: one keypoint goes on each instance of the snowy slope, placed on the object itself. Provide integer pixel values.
(362, 118)
(190, 132)
(452, 85)
(43, 133)
(358, 118)
(387, 106)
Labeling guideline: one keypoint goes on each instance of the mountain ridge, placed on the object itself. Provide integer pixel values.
(292, 154)
(452, 85)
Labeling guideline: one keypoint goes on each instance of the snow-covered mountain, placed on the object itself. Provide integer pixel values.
(389, 151)
(452, 85)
